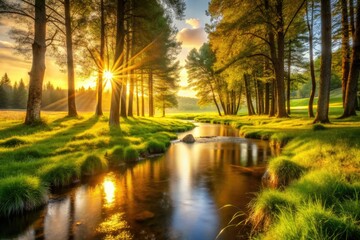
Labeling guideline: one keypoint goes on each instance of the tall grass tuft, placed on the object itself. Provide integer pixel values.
(313, 221)
(155, 146)
(325, 187)
(131, 154)
(282, 171)
(60, 174)
(266, 207)
(117, 155)
(93, 165)
(21, 193)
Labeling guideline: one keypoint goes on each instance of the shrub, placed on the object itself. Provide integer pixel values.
(60, 174)
(93, 165)
(21, 193)
(131, 154)
(156, 147)
(13, 142)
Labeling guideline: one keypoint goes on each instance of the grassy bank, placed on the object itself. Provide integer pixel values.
(313, 182)
(62, 150)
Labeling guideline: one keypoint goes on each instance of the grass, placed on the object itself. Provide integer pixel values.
(57, 152)
(21, 193)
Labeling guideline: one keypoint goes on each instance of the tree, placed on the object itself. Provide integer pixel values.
(5, 92)
(118, 61)
(19, 95)
(351, 88)
(37, 72)
(310, 26)
(325, 72)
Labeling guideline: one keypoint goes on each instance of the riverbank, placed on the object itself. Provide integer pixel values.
(313, 185)
(62, 150)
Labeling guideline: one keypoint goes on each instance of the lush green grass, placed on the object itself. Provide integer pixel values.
(56, 152)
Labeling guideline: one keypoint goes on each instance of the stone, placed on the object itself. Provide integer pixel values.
(144, 216)
(188, 139)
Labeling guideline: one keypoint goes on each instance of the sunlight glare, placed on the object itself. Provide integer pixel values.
(108, 75)
(109, 189)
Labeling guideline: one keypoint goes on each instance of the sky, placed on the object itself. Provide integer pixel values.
(191, 34)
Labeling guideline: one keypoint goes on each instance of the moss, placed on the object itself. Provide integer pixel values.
(21, 193)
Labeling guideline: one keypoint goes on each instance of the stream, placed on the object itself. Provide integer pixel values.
(179, 195)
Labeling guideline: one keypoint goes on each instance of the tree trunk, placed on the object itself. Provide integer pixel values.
(37, 72)
(214, 99)
(267, 98)
(325, 71)
(70, 61)
(256, 94)
(345, 47)
(288, 81)
(351, 89)
(99, 111)
(131, 45)
(116, 84)
(137, 96)
(239, 100)
(151, 97)
(142, 94)
(310, 25)
(248, 97)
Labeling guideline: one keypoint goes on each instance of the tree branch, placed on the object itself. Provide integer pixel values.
(293, 18)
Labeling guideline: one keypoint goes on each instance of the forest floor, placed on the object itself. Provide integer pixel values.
(313, 181)
(62, 150)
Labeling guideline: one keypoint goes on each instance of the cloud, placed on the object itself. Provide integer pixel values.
(5, 44)
(192, 38)
(194, 22)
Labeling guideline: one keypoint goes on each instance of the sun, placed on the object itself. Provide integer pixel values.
(108, 75)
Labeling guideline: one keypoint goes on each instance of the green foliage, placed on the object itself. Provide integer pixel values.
(21, 193)
(93, 165)
(13, 142)
(131, 154)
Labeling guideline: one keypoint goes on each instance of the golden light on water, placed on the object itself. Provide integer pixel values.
(109, 190)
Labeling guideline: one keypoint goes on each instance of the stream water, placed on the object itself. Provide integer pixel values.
(176, 196)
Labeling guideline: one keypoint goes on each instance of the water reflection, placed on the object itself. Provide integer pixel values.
(181, 194)
(109, 190)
